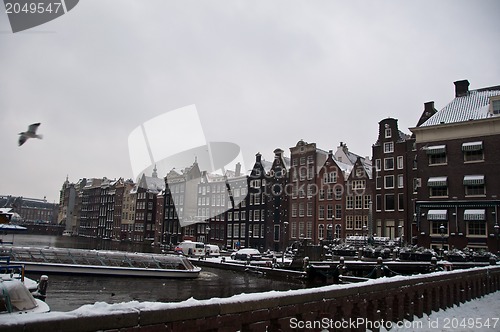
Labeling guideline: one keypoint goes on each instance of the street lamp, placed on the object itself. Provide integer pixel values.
(208, 234)
(249, 237)
(365, 234)
(497, 230)
(285, 224)
(400, 232)
(441, 230)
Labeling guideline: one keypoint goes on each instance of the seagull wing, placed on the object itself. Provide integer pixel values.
(22, 139)
(32, 128)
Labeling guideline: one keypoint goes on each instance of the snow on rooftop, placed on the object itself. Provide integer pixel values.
(473, 106)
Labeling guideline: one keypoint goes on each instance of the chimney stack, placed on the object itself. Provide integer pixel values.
(461, 88)
(258, 157)
(238, 169)
(278, 153)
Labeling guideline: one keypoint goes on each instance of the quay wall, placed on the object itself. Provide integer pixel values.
(387, 299)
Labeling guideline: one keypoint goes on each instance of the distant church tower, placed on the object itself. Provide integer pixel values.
(155, 173)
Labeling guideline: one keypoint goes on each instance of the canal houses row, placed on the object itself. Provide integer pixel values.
(436, 187)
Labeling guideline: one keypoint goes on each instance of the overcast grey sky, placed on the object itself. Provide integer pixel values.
(262, 74)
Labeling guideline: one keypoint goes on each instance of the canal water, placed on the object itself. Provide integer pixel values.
(68, 292)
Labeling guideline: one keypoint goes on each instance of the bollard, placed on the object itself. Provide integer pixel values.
(341, 267)
(379, 272)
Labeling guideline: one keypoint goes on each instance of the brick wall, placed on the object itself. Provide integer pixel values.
(391, 299)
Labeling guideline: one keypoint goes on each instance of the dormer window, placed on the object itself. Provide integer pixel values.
(495, 105)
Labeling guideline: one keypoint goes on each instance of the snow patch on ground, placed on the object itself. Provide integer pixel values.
(481, 314)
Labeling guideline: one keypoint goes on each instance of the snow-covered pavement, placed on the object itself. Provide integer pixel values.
(482, 314)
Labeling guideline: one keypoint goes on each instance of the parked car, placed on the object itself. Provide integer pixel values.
(247, 254)
(212, 250)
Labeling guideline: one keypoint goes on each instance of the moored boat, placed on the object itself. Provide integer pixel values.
(112, 263)
(15, 298)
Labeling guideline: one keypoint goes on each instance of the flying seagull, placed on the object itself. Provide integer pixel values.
(31, 133)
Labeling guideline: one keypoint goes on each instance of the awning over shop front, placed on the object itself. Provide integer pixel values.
(474, 214)
(437, 215)
(435, 149)
(438, 181)
(472, 146)
(471, 180)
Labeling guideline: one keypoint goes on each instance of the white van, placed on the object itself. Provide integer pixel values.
(212, 250)
(191, 248)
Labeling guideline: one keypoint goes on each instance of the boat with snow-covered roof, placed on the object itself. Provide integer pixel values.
(101, 262)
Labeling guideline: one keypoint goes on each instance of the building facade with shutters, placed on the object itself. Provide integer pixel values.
(458, 178)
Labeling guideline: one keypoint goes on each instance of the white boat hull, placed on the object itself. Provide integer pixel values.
(50, 268)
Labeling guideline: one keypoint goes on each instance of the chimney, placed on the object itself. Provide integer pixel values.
(258, 157)
(429, 107)
(461, 88)
(238, 169)
(330, 153)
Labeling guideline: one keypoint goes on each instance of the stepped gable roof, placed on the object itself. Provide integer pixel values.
(472, 106)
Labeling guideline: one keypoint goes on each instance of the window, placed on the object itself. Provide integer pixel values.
(329, 193)
(495, 105)
(378, 182)
(400, 162)
(388, 133)
(309, 209)
(474, 185)
(388, 147)
(309, 228)
(333, 177)
(366, 202)
(358, 222)
(338, 211)
(321, 231)
(349, 222)
(358, 202)
(338, 193)
(349, 202)
(389, 202)
(436, 154)
(358, 184)
(475, 190)
(476, 228)
(473, 151)
(436, 227)
(388, 164)
(378, 202)
(301, 209)
(438, 186)
(378, 164)
(389, 181)
(400, 181)
(437, 159)
(322, 194)
(294, 209)
(401, 202)
(438, 191)
(329, 211)
(321, 212)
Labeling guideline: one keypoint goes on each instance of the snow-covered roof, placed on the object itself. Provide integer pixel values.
(472, 106)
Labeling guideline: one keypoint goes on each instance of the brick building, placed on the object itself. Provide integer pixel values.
(394, 167)
(457, 166)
